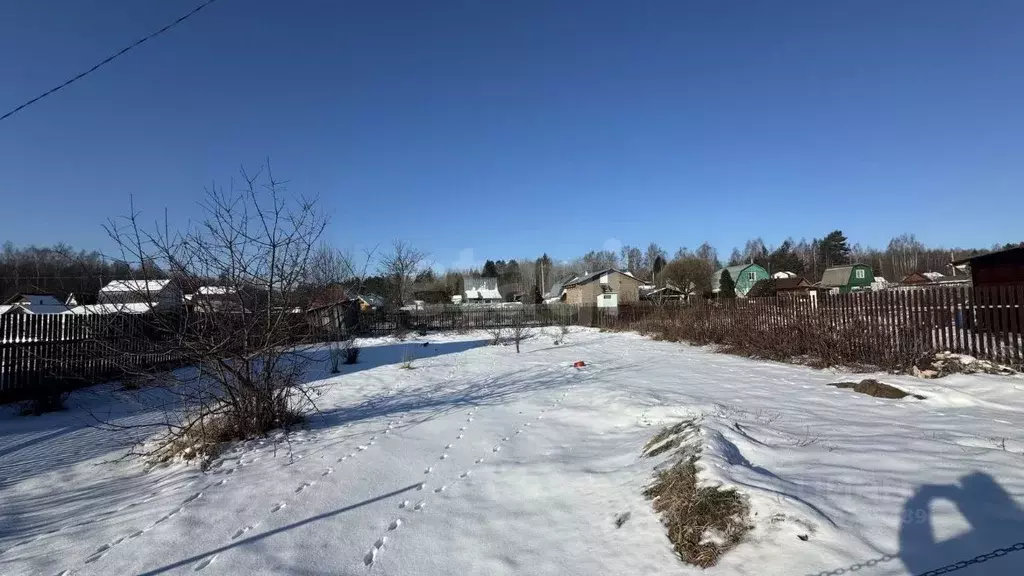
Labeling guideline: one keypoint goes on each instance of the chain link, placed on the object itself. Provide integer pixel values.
(976, 560)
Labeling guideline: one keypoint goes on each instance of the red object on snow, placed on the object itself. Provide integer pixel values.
(579, 364)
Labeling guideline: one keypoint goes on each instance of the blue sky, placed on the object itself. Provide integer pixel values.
(515, 128)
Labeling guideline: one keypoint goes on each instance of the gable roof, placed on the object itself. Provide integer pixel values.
(791, 283)
(734, 273)
(137, 286)
(595, 275)
(34, 299)
(837, 276)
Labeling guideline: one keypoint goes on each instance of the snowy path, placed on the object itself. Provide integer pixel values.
(482, 461)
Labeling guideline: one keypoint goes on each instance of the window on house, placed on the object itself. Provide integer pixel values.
(859, 273)
(607, 296)
(751, 276)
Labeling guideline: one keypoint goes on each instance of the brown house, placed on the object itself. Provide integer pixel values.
(605, 284)
(792, 286)
(997, 268)
(915, 278)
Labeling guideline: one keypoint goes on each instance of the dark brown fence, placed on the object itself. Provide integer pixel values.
(40, 351)
(469, 317)
(889, 328)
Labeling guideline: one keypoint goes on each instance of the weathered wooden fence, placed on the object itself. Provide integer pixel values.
(438, 318)
(881, 328)
(39, 351)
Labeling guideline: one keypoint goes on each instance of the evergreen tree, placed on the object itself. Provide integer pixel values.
(490, 269)
(835, 249)
(727, 288)
(659, 265)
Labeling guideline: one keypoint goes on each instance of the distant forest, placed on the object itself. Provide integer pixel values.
(62, 270)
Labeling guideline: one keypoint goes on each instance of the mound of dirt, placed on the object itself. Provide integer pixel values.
(875, 388)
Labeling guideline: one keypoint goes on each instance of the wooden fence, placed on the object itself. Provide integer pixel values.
(444, 318)
(879, 328)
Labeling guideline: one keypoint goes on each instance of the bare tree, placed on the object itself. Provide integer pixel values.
(520, 329)
(240, 335)
(400, 267)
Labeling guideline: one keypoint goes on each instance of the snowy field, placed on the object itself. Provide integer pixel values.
(482, 461)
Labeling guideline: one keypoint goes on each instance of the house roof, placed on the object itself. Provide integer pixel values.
(784, 274)
(216, 290)
(595, 275)
(371, 299)
(331, 295)
(483, 294)
(837, 276)
(113, 308)
(35, 299)
(791, 283)
(136, 286)
(933, 276)
(734, 273)
(997, 254)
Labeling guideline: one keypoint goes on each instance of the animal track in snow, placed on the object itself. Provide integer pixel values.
(380, 542)
(444, 456)
(361, 448)
(395, 524)
(470, 419)
(206, 562)
(303, 487)
(371, 556)
(428, 470)
(328, 471)
(421, 486)
(419, 505)
(496, 449)
(439, 490)
(479, 460)
(504, 439)
(448, 447)
(459, 437)
(465, 474)
(404, 504)
(240, 532)
(99, 553)
(277, 507)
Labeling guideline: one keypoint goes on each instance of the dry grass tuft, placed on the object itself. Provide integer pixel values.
(703, 522)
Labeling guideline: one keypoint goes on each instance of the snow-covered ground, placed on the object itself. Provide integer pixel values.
(482, 461)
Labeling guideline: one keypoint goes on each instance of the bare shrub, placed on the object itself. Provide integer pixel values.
(497, 335)
(244, 339)
(520, 330)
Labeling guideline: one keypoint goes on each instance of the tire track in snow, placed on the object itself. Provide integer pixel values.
(372, 556)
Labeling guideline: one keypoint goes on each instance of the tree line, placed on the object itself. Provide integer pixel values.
(400, 273)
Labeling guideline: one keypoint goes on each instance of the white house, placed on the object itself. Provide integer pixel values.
(164, 293)
(33, 304)
(481, 291)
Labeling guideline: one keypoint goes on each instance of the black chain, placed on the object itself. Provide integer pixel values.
(998, 552)
(976, 560)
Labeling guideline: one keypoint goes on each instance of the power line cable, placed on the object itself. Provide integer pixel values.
(106, 60)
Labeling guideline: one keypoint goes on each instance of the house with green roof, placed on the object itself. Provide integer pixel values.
(744, 276)
(852, 278)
